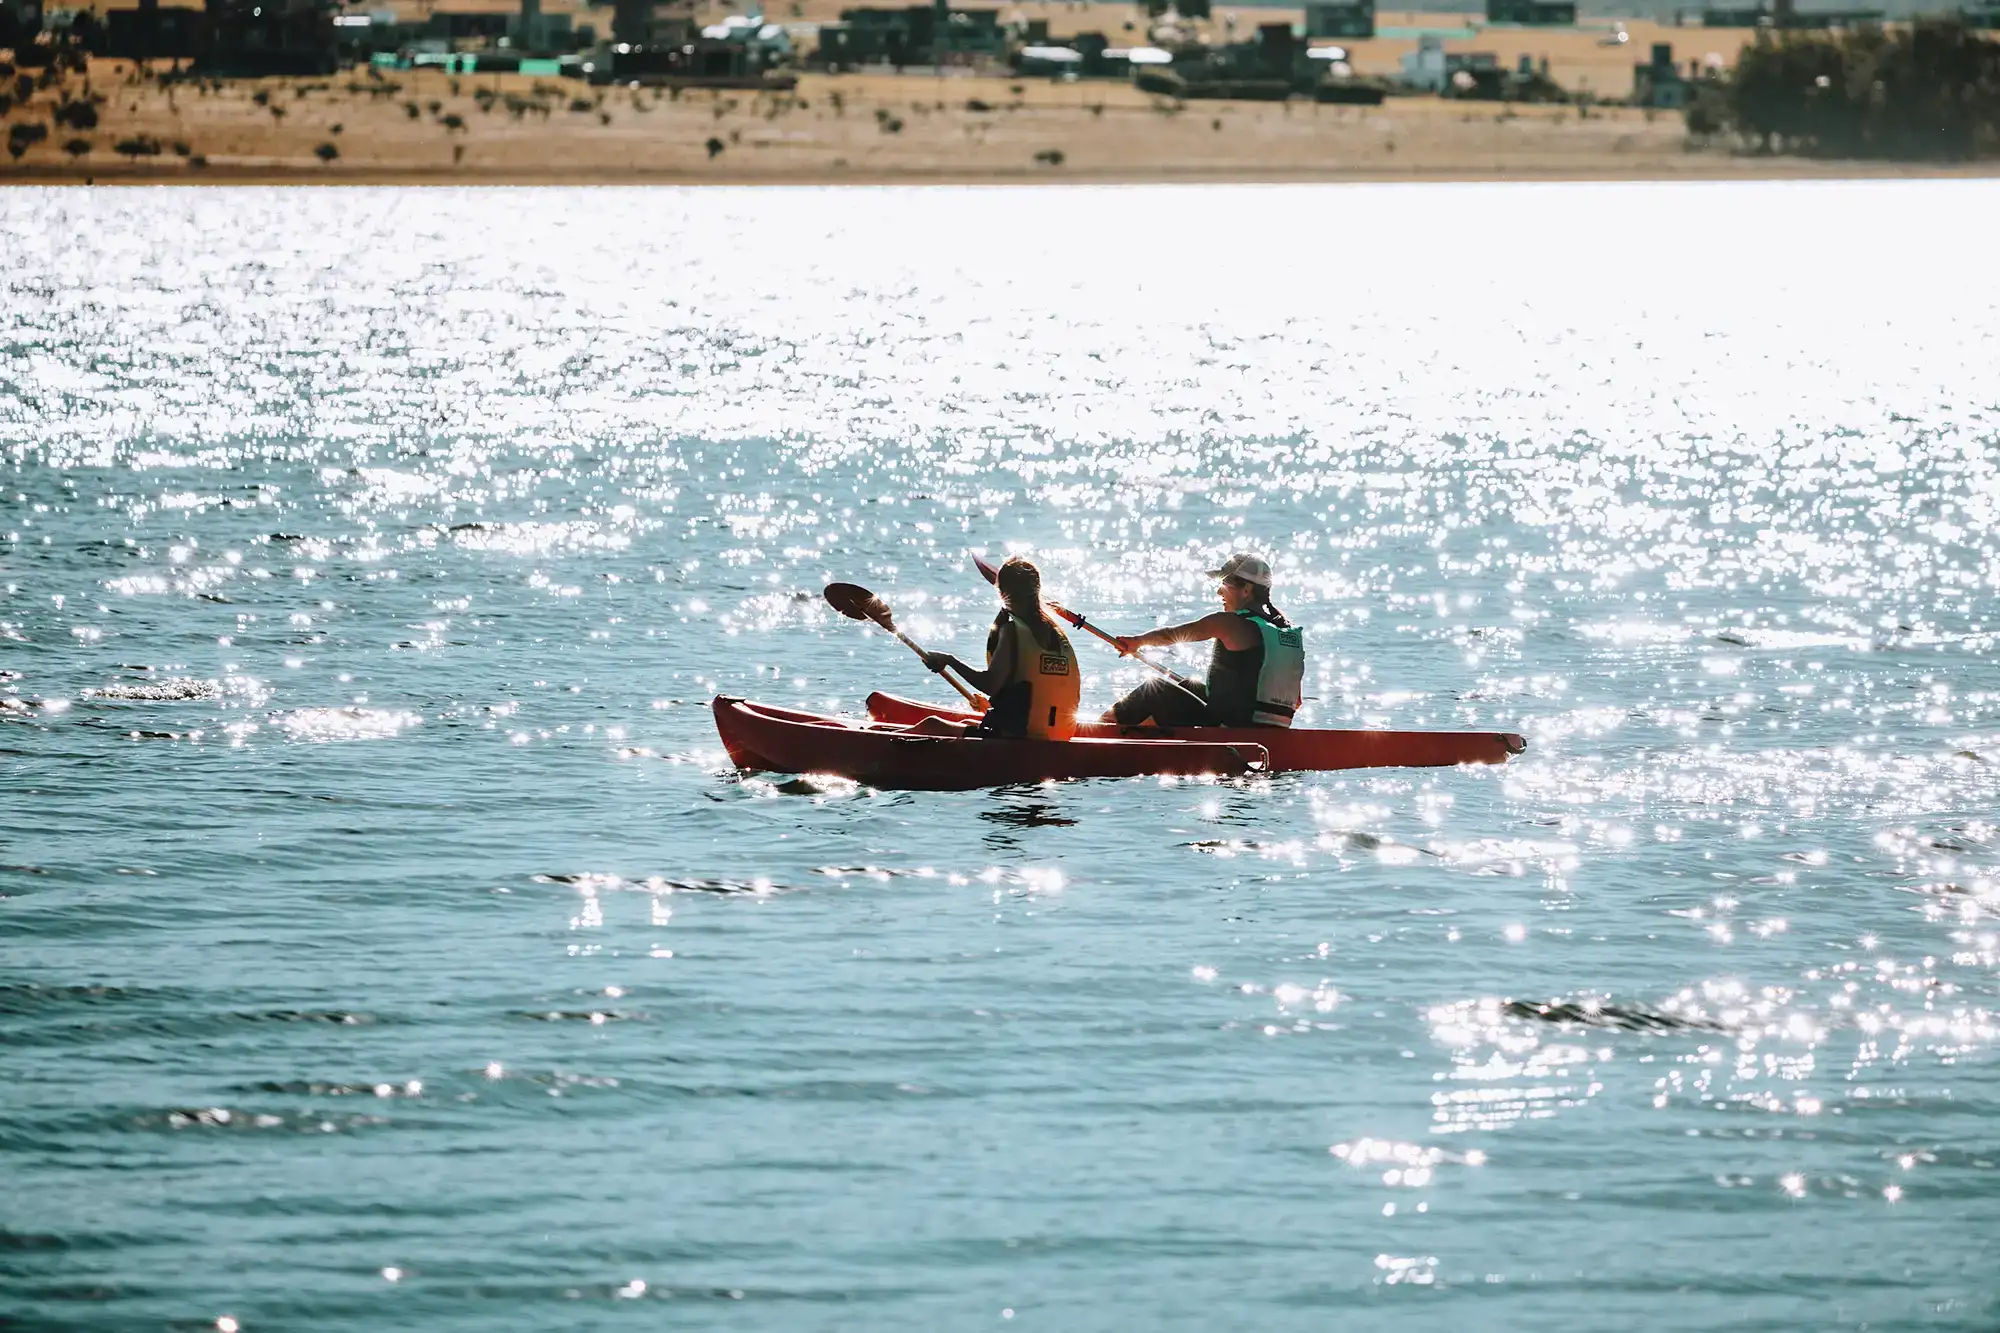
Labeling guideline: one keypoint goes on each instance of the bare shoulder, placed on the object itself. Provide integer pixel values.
(1236, 633)
(1001, 656)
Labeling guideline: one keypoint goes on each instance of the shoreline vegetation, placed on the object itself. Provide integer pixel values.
(1925, 91)
(1918, 100)
(424, 127)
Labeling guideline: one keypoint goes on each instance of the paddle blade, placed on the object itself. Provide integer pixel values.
(857, 603)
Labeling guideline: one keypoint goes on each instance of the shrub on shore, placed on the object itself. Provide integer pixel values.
(1930, 91)
(22, 135)
(78, 115)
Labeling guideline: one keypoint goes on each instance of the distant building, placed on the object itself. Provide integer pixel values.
(1833, 18)
(152, 32)
(1340, 18)
(1046, 61)
(879, 37)
(741, 47)
(533, 30)
(914, 35)
(1532, 13)
(1431, 68)
(363, 36)
(646, 23)
(966, 35)
(1278, 49)
(1475, 74)
(1092, 46)
(1424, 67)
(452, 29)
(20, 22)
(250, 38)
(1787, 14)
(1659, 83)
(1784, 14)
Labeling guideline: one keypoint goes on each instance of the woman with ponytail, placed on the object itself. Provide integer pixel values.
(1031, 673)
(1256, 675)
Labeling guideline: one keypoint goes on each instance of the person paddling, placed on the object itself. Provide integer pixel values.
(1031, 672)
(1256, 675)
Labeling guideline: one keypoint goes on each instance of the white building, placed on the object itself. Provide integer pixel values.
(1424, 67)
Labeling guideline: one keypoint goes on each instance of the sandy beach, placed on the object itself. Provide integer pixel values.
(424, 126)
(917, 126)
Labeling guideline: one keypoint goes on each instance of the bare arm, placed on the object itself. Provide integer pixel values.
(1236, 633)
(994, 678)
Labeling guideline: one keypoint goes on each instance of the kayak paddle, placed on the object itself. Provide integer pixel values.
(991, 573)
(857, 603)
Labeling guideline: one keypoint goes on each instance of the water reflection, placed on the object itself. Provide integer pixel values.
(361, 587)
(1017, 812)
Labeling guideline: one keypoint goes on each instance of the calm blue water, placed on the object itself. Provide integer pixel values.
(385, 943)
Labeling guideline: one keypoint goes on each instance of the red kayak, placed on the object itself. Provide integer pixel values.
(1292, 749)
(888, 755)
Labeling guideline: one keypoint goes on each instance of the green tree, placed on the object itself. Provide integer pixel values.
(1928, 91)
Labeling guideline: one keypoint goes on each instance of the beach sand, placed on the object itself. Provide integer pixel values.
(918, 126)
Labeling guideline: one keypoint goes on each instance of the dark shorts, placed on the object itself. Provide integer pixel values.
(1007, 712)
(1166, 704)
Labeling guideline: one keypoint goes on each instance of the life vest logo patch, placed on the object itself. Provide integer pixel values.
(1055, 664)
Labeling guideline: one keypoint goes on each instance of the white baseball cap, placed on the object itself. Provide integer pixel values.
(1249, 568)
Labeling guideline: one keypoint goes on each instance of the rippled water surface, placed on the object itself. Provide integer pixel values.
(386, 943)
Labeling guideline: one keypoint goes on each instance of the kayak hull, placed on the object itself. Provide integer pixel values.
(1292, 750)
(782, 740)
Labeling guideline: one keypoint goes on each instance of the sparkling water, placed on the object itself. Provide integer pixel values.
(386, 942)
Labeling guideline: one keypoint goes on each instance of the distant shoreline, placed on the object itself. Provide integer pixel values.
(1704, 168)
(422, 127)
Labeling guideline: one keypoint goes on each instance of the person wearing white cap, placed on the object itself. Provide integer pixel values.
(1256, 676)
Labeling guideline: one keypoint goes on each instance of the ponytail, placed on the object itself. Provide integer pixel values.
(1272, 613)
(1020, 585)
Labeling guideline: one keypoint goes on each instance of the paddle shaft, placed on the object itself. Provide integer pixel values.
(950, 679)
(1112, 639)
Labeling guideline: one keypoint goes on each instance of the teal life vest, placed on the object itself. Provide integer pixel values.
(1260, 686)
